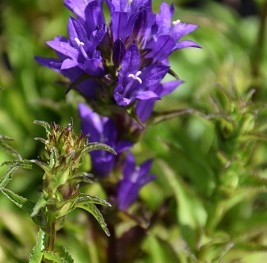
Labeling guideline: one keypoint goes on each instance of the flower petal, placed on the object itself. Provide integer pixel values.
(185, 44)
(63, 47)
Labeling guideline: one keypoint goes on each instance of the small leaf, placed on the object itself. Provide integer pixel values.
(92, 209)
(45, 124)
(53, 256)
(37, 252)
(89, 199)
(18, 163)
(40, 139)
(8, 148)
(18, 200)
(64, 254)
(93, 146)
(40, 204)
(82, 178)
(4, 180)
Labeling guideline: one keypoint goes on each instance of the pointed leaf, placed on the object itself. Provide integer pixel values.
(25, 164)
(89, 199)
(18, 200)
(37, 252)
(40, 204)
(45, 124)
(92, 209)
(93, 146)
(8, 148)
(64, 253)
(4, 180)
(82, 178)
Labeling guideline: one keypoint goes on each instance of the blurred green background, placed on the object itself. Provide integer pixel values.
(193, 153)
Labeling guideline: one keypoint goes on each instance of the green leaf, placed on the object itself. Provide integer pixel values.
(4, 180)
(7, 148)
(40, 204)
(26, 164)
(93, 146)
(37, 252)
(64, 253)
(191, 214)
(92, 209)
(89, 199)
(54, 257)
(18, 200)
(45, 124)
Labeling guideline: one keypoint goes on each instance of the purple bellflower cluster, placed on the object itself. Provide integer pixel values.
(118, 66)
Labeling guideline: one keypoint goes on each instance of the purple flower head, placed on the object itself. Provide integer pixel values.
(121, 61)
(134, 178)
(101, 129)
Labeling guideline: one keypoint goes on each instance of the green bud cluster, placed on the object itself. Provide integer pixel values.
(62, 162)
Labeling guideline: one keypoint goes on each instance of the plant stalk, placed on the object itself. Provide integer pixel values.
(51, 237)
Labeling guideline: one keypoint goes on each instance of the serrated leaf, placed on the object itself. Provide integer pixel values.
(55, 257)
(4, 180)
(37, 252)
(89, 199)
(64, 253)
(18, 200)
(40, 204)
(7, 148)
(93, 146)
(26, 164)
(92, 209)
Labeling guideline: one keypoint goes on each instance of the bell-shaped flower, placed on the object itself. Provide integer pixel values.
(136, 84)
(134, 178)
(121, 61)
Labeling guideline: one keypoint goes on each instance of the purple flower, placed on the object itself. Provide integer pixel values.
(134, 178)
(101, 129)
(121, 61)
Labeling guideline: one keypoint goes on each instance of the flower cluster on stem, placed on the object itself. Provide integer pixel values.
(118, 66)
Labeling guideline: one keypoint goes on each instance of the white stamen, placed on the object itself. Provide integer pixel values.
(176, 22)
(136, 76)
(79, 43)
(135, 175)
(130, 2)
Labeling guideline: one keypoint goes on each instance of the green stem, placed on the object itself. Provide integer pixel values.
(259, 45)
(51, 237)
